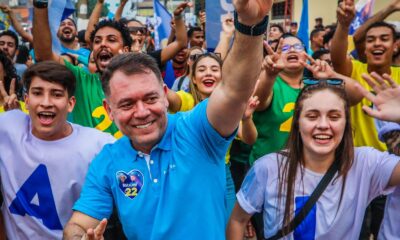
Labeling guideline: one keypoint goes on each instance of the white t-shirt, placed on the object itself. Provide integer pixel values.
(390, 227)
(41, 180)
(367, 179)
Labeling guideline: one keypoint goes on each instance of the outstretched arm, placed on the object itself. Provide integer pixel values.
(180, 42)
(94, 19)
(15, 23)
(240, 70)
(342, 62)
(42, 36)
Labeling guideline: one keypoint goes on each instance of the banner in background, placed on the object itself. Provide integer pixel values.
(363, 12)
(217, 11)
(162, 26)
(303, 29)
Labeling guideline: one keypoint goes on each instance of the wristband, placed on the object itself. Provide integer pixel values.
(255, 30)
(40, 3)
(178, 17)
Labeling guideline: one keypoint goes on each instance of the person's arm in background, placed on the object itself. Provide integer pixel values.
(225, 37)
(270, 69)
(241, 69)
(94, 19)
(120, 9)
(171, 36)
(341, 62)
(203, 19)
(322, 70)
(180, 42)
(359, 35)
(387, 106)
(247, 131)
(42, 36)
(16, 24)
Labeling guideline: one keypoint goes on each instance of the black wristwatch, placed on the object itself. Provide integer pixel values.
(40, 3)
(255, 30)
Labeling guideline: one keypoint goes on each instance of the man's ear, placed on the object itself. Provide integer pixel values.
(26, 100)
(107, 107)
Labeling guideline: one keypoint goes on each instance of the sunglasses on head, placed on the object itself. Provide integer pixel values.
(298, 47)
(142, 30)
(330, 82)
(194, 57)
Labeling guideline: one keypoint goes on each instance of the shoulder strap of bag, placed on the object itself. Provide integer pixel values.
(310, 202)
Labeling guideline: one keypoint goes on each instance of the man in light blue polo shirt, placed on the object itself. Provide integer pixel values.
(166, 177)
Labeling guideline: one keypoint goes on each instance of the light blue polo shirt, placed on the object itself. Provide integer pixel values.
(181, 197)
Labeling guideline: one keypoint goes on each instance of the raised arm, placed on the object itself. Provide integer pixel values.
(359, 35)
(241, 68)
(15, 23)
(94, 19)
(342, 62)
(82, 226)
(120, 9)
(225, 37)
(180, 42)
(271, 67)
(42, 36)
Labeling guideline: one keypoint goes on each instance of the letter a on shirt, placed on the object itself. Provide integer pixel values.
(37, 187)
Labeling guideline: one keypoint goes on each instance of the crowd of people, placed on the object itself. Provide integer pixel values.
(261, 138)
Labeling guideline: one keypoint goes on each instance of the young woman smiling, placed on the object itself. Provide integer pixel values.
(279, 184)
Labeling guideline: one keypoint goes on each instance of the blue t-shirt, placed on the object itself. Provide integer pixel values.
(83, 54)
(179, 194)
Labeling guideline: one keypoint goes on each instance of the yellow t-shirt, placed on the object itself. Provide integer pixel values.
(365, 133)
(188, 104)
(23, 107)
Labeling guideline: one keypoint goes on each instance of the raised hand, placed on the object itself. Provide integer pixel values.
(10, 100)
(386, 99)
(97, 233)
(227, 25)
(346, 12)
(202, 18)
(251, 12)
(273, 63)
(395, 4)
(319, 68)
(5, 8)
(181, 7)
(252, 104)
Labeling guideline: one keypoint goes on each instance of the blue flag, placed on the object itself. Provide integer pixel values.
(303, 29)
(162, 26)
(363, 12)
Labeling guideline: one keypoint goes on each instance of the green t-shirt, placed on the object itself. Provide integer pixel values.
(89, 110)
(274, 123)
